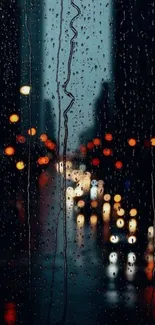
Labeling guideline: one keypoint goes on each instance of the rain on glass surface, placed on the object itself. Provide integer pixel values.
(77, 143)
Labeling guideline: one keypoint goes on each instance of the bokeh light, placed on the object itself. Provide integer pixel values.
(83, 149)
(96, 161)
(90, 145)
(107, 152)
(93, 220)
(131, 258)
(118, 165)
(81, 204)
(120, 223)
(150, 232)
(32, 131)
(120, 212)
(14, 118)
(20, 165)
(132, 142)
(43, 137)
(117, 198)
(106, 211)
(116, 206)
(132, 239)
(80, 220)
(133, 212)
(107, 197)
(43, 160)
(9, 151)
(50, 144)
(132, 225)
(153, 142)
(97, 141)
(108, 137)
(20, 138)
(114, 239)
(25, 90)
(113, 257)
(94, 203)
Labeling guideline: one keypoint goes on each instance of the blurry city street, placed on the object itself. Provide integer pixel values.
(77, 166)
(97, 281)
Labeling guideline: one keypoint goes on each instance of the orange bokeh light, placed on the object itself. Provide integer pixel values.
(50, 145)
(132, 142)
(94, 204)
(9, 151)
(153, 142)
(107, 152)
(43, 160)
(14, 118)
(90, 145)
(108, 137)
(32, 131)
(43, 137)
(118, 164)
(97, 141)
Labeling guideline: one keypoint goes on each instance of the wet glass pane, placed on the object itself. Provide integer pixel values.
(77, 138)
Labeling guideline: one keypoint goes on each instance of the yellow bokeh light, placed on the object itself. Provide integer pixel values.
(9, 151)
(106, 210)
(133, 212)
(93, 220)
(120, 223)
(117, 198)
(32, 131)
(80, 219)
(25, 90)
(20, 165)
(70, 191)
(14, 118)
(120, 212)
(132, 225)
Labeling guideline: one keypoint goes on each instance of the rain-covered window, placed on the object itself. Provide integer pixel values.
(77, 138)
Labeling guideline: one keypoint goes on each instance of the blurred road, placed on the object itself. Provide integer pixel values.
(92, 284)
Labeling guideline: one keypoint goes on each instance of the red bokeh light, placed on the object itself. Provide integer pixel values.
(83, 149)
(90, 145)
(96, 161)
(20, 138)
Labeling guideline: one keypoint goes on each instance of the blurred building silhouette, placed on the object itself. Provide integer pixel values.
(134, 98)
(9, 69)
